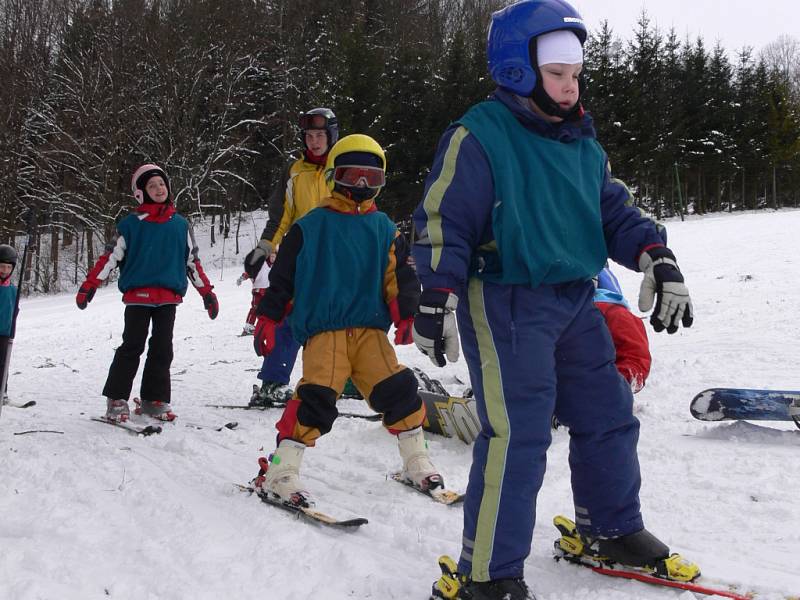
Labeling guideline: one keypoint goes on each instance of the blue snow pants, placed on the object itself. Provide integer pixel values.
(532, 353)
(277, 366)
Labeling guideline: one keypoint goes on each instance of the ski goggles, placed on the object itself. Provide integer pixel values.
(355, 176)
(314, 121)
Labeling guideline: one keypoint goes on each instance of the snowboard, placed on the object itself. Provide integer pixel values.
(450, 416)
(733, 404)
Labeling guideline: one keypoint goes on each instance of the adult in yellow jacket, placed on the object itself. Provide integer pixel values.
(301, 188)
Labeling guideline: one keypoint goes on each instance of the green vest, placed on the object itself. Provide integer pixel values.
(546, 217)
(8, 298)
(339, 272)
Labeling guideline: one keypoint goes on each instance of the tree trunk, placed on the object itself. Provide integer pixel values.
(730, 195)
(774, 188)
(89, 249)
(54, 239)
(744, 192)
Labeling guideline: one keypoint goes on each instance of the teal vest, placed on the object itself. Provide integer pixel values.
(339, 272)
(155, 255)
(8, 297)
(546, 218)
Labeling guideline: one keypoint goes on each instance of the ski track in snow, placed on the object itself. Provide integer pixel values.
(97, 512)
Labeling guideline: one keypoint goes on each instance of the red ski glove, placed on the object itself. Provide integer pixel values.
(403, 334)
(403, 326)
(211, 303)
(86, 293)
(264, 336)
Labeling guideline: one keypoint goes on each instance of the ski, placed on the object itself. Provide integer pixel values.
(346, 415)
(440, 495)
(653, 580)
(310, 514)
(130, 427)
(27, 404)
(674, 571)
(193, 424)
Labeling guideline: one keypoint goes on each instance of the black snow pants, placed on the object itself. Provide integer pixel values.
(155, 378)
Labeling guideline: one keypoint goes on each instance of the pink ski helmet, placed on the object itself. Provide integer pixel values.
(140, 177)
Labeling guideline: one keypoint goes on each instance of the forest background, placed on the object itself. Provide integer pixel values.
(211, 90)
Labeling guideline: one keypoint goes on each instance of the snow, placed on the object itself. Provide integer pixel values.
(96, 512)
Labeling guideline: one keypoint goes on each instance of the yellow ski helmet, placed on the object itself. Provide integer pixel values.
(355, 149)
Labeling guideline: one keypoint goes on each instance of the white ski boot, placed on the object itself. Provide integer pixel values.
(155, 409)
(417, 467)
(282, 478)
(117, 410)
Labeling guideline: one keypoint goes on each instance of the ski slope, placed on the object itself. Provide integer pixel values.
(94, 512)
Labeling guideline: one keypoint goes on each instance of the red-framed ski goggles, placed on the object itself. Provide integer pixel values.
(355, 176)
(313, 121)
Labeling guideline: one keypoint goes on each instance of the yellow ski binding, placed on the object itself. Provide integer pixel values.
(448, 585)
(677, 568)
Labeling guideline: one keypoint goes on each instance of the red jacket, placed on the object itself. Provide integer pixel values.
(630, 341)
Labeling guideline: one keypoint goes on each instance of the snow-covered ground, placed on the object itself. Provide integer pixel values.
(94, 512)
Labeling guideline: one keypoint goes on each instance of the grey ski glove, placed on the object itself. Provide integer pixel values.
(256, 257)
(435, 332)
(663, 282)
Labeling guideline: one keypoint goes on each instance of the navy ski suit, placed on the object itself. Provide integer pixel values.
(518, 216)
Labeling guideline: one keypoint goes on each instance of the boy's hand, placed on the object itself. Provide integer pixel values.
(85, 294)
(403, 334)
(264, 336)
(402, 326)
(256, 257)
(434, 331)
(211, 303)
(663, 282)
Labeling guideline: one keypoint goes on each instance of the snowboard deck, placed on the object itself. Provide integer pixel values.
(735, 404)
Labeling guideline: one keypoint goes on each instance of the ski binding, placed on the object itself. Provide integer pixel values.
(437, 494)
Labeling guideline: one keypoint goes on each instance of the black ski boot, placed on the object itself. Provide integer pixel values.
(498, 589)
(640, 551)
(452, 586)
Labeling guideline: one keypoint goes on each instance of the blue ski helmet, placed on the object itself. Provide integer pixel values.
(510, 35)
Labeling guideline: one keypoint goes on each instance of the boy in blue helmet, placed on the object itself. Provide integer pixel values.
(520, 212)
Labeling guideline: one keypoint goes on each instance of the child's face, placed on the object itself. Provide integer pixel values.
(317, 141)
(560, 81)
(5, 270)
(156, 188)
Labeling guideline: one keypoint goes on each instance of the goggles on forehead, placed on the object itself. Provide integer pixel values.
(313, 122)
(354, 176)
